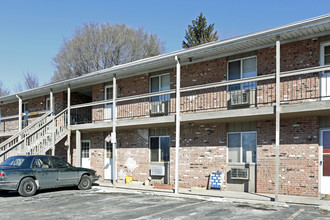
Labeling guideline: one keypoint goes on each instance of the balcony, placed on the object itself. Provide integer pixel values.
(301, 93)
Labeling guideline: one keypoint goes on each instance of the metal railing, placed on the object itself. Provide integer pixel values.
(38, 137)
(297, 86)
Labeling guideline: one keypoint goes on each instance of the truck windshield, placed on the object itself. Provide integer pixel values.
(13, 161)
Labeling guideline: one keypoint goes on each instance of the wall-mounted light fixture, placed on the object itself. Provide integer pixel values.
(310, 54)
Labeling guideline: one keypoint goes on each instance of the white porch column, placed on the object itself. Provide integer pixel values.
(114, 134)
(177, 124)
(51, 97)
(19, 119)
(19, 113)
(53, 120)
(69, 127)
(278, 108)
(78, 148)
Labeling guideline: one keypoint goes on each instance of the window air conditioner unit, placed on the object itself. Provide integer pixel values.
(240, 97)
(159, 108)
(239, 173)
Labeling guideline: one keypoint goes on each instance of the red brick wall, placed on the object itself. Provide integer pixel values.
(135, 85)
(204, 72)
(202, 150)
(133, 154)
(98, 95)
(9, 109)
(298, 157)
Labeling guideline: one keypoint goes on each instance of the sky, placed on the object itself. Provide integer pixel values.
(32, 31)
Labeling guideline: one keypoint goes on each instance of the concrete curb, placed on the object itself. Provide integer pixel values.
(168, 193)
(285, 201)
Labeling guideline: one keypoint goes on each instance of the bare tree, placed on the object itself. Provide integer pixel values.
(30, 81)
(3, 90)
(94, 47)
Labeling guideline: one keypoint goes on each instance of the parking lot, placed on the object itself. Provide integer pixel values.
(108, 203)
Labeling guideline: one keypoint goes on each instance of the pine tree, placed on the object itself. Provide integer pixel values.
(199, 33)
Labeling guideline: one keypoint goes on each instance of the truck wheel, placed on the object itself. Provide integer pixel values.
(85, 183)
(27, 187)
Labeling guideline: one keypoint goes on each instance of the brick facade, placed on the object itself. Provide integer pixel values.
(203, 146)
(298, 156)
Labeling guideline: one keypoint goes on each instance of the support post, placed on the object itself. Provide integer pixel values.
(78, 148)
(19, 113)
(53, 120)
(69, 127)
(114, 134)
(177, 124)
(278, 121)
(19, 120)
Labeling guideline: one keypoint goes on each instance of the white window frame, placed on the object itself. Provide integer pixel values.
(322, 52)
(165, 97)
(241, 68)
(105, 92)
(241, 147)
(159, 81)
(89, 148)
(159, 149)
(48, 101)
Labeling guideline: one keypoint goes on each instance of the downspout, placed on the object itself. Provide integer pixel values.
(177, 123)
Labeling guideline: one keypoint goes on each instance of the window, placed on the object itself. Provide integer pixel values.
(240, 69)
(158, 84)
(108, 93)
(59, 163)
(159, 149)
(48, 103)
(85, 149)
(25, 111)
(327, 55)
(43, 163)
(242, 147)
(108, 149)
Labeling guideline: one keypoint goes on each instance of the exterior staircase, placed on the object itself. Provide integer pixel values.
(37, 138)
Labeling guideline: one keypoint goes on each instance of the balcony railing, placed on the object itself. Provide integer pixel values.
(298, 86)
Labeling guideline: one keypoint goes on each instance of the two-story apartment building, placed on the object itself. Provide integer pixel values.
(255, 108)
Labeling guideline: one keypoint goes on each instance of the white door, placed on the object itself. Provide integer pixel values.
(325, 161)
(108, 161)
(85, 154)
(325, 76)
(108, 95)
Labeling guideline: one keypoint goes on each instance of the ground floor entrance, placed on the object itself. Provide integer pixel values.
(325, 161)
(108, 163)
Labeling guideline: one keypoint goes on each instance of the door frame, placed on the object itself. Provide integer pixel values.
(89, 152)
(321, 157)
(105, 105)
(105, 159)
(322, 61)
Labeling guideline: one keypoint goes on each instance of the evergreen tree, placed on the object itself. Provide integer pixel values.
(199, 33)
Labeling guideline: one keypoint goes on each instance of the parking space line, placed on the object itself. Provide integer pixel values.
(178, 207)
(296, 214)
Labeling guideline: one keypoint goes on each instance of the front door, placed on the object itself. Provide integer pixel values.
(108, 108)
(325, 76)
(108, 161)
(85, 154)
(325, 161)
